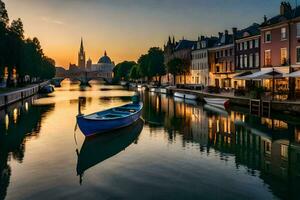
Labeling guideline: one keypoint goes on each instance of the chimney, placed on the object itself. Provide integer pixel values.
(234, 31)
(265, 19)
(220, 35)
(226, 33)
(285, 8)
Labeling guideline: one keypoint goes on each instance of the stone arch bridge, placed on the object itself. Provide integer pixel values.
(83, 76)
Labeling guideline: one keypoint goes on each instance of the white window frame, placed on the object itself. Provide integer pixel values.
(250, 44)
(266, 37)
(245, 45)
(241, 61)
(251, 60)
(246, 60)
(256, 43)
(257, 59)
(283, 33)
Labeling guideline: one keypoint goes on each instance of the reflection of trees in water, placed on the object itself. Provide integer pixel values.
(247, 141)
(12, 140)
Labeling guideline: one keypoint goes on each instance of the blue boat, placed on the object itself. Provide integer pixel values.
(109, 120)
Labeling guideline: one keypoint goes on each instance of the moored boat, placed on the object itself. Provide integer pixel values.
(109, 120)
(185, 96)
(218, 102)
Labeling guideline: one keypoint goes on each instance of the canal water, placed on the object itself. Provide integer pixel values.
(180, 150)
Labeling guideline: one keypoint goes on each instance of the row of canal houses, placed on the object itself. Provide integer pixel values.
(227, 61)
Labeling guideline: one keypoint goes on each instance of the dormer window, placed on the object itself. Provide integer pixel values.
(203, 44)
(268, 37)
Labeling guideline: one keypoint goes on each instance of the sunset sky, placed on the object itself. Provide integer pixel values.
(127, 28)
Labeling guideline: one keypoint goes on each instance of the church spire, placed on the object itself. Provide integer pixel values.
(81, 46)
(105, 53)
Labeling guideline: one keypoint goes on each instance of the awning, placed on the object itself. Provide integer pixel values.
(241, 75)
(263, 74)
(293, 74)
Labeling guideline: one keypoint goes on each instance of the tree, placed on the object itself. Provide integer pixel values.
(4, 20)
(143, 66)
(175, 67)
(123, 70)
(134, 73)
(155, 62)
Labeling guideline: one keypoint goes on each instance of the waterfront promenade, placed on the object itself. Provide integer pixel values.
(19, 94)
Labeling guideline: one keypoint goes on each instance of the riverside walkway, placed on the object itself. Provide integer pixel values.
(19, 94)
(279, 106)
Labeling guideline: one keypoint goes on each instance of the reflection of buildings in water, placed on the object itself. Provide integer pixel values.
(21, 121)
(268, 148)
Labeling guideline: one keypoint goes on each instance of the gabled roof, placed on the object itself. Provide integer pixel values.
(294, 13)
(252, 30)
(185, 44)
(224, 40)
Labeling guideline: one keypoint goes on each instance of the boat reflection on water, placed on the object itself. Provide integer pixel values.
(96, 149)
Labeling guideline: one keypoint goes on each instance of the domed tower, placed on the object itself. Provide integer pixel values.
(105, 59)
(81, 57)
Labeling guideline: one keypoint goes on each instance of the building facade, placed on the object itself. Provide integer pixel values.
(247, 52)
(222, 65)
(200, 61)
(181, 50)
(280, 47)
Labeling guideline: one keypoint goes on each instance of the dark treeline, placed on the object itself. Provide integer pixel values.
(21, 59)
(150, 67)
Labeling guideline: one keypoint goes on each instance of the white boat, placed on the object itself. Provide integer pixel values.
(163, 90)
(185, 96)
(152, 89)
(217, 102)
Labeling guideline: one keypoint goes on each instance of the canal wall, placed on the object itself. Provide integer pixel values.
(279, 106)
(12, 97)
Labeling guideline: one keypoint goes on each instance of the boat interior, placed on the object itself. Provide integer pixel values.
(115, 113)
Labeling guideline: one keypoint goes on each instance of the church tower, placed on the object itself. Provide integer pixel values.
(81, 57)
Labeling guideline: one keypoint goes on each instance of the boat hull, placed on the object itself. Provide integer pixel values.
(94, 127)
(218, 102)
(185, 96)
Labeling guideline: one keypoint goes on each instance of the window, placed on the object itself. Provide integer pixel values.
(256, 59)
(268, 37)
(283, 33)
(256, 43)
(251, 60)
(221, 53)
(268, 58)
(250, 44)
(245, 45)
(241, 61)
(267, 147)
(283, 56)
(230, 52)
(298, 29)
(203, 44)
(246, 60)
(226, 52)
(241, 46)
(298, 55)
(284, 151)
